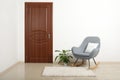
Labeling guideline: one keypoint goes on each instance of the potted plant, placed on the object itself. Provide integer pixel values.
(63, 56)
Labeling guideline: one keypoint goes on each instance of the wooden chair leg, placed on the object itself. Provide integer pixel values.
(96, 64)
(89, 64)
(76, 61)
(94, 61)
(82, 61)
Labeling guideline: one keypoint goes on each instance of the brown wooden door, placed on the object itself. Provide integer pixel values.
(38, 32)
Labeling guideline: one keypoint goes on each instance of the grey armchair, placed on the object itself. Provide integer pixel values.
(80, 52)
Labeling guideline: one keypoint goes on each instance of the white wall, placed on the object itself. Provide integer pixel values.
(8, 33)
(73, 20)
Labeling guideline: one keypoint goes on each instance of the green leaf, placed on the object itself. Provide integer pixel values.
(70, 56)
(59, 61)
(56, 58)
(63, 51)
(57, 51)
(68, 50)
(60, 53)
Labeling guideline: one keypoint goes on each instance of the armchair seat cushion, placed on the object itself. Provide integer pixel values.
(83, 54)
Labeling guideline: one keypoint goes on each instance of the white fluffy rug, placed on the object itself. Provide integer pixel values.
(68, 71)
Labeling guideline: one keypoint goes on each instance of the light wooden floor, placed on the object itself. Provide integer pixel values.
(33, 71)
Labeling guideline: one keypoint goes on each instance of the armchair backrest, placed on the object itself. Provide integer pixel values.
(88, 40)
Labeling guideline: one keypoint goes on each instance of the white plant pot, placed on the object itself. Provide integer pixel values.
(65, 64)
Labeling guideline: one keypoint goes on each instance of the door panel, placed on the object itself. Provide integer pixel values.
(38, 32)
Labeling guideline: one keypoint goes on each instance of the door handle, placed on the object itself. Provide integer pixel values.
(49, 36)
